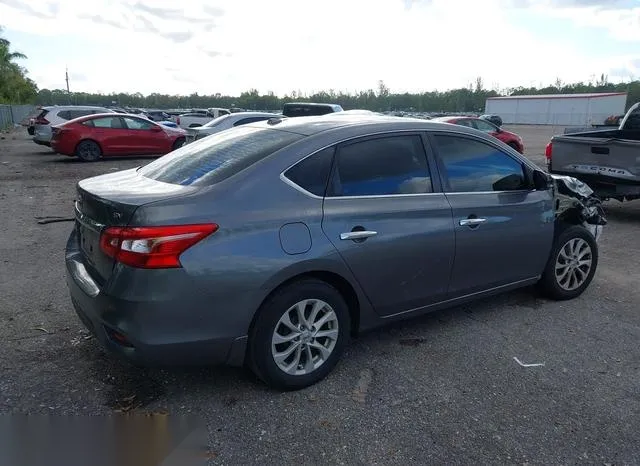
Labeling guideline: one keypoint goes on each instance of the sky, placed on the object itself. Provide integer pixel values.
(231, 46)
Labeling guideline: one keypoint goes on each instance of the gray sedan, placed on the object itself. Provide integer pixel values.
(271, 243)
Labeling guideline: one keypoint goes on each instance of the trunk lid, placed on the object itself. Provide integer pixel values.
(111, 200)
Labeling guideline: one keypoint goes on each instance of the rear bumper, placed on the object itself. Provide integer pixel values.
(141, 333)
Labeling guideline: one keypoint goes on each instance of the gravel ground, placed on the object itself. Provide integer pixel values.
(443, 388)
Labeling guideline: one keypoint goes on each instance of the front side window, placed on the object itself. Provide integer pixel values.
(470, 165)
(381, 166)
(219, 156)
(135, 123)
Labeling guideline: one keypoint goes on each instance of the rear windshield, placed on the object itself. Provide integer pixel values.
(295, 110)
(217, 157)
(215, 121)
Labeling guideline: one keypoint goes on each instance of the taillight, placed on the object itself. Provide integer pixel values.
(41, 121)
(548, 150)
(152, 247)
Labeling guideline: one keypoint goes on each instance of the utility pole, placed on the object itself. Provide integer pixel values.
(66, 77)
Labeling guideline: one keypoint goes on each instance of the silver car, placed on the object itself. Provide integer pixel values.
(271, 243)
(56, 115)
(225, 122)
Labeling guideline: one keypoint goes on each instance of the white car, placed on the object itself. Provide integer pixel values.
(225, 122)
(56, 115)
(192, 120)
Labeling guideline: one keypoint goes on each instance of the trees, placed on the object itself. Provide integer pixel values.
(15, 86)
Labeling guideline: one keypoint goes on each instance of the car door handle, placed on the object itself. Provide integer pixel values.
(362, 234)
(471, 222)
(600, 150)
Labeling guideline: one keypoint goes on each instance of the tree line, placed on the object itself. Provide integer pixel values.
(17, 88)
(469, 99)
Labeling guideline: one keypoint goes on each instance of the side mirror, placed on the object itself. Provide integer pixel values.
(156, 128)
(511, 182)
(541, 181)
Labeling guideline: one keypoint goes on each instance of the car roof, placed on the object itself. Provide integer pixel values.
(310, 125)
(73, 107)
(252, 114)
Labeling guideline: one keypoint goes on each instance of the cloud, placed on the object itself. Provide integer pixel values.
(100, 20)
(26, 7)
(178, 37)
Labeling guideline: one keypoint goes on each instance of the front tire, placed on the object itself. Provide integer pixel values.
(299, 335)
(572, 264)
(178, 143)
(88, 151)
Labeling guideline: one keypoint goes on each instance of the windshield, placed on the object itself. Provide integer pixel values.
(218, 157)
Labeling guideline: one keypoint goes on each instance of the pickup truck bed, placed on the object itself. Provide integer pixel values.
(607, 160)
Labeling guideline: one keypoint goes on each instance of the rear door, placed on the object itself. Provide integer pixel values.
(503, 227)
(385, 215)
(110, 134)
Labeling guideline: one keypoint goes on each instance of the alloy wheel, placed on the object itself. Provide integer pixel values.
(304, 337)
(573, 264)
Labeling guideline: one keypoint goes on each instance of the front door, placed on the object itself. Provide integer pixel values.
(142, 140)
(391, 227)
(503, 227)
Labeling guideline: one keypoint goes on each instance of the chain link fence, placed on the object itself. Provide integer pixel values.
(11, 115)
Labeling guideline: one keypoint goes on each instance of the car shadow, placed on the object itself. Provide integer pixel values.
(625, 212)
(129, 387)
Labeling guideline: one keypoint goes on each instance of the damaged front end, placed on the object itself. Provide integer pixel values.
(575, 203)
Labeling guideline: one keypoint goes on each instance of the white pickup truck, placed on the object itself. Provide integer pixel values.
(199, 118)
(607, 160)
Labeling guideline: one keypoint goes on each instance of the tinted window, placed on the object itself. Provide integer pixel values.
(246, 121)
(382, 166)
(293, 110)
(470, 165)
(313, 172)
(223, 112)
(135, 123)
(219, 156)
(484, 126)
(65, 114)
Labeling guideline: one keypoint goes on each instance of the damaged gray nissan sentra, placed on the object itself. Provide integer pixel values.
(270, 244)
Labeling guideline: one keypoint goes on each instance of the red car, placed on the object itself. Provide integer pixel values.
(107, 134)
(510, 139)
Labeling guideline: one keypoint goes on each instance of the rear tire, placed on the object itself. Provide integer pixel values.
(290, 352)
(88, 151)
(572, 264)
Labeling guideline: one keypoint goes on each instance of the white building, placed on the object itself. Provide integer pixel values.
(558, 109)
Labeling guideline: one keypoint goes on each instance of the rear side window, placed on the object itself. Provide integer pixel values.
(382, 166)
(213, 159)
(312, 173)
(65, 114)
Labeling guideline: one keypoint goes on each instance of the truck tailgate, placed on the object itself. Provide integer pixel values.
(602, 160)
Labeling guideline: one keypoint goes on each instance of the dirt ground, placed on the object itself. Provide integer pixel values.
(443, 388)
